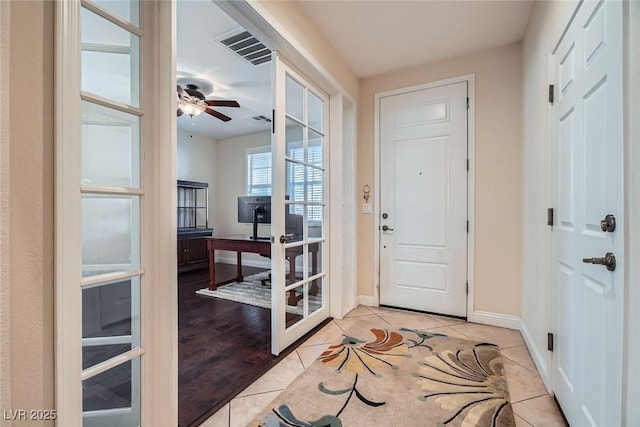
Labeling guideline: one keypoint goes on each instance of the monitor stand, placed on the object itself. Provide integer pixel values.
(255, 236)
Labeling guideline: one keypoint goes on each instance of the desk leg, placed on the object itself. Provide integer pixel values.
(313, 290)
(293, 299)
(239, 277)
(212, 269)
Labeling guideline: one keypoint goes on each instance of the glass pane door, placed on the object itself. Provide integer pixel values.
(300, 297)
(111, 199)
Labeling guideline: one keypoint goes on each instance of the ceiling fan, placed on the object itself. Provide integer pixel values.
(193, 102)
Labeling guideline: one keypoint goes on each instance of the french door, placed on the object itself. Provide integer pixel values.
(299, 261)
(110, 217)
(588, 259)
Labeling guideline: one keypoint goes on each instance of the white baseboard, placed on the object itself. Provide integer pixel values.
(245, 262)
(538, 357)
(365, 300)
(495, 319)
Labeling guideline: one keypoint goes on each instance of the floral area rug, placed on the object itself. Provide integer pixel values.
(396, 377)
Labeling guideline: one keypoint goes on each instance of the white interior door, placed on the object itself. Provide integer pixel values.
(588, 298)
(423, 199)
(299, 263)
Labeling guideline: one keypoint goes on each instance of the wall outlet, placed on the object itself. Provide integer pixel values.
(367, 208)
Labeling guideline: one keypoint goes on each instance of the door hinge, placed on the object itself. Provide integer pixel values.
(467, 102)
(550, 216)
(467, 226)
(467, 288)
(273, 121)
(551, 92)
(467, 164)
(550, 341)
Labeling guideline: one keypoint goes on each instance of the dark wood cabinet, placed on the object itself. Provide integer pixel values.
(192, 250)
(193, 225)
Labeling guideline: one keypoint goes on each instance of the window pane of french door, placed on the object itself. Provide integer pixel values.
(128, 10)
(314, 107)
(110, 233)
(294, 103)
(315, 152)
(294, 304)
(110, 60)
(110, 147)
(316, 221)
(110, 320)
(294, 135)
(113, 394)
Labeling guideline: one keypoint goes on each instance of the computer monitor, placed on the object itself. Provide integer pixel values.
(255, 210)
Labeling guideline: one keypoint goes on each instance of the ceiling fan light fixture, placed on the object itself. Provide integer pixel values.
(192, 108)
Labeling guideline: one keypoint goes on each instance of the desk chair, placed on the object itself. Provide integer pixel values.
(294, 226)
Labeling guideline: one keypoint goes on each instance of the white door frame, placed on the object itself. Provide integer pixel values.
(256, 19)
(471, 142)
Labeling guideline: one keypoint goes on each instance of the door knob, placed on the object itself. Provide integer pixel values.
(285, 238)
(385, 228)
(608, 224)
(608, 260)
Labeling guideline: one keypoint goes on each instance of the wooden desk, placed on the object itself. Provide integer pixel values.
(242, 243)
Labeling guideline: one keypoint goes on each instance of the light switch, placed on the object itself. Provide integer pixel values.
(367, 208)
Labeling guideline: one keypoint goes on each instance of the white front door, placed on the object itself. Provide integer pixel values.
(423, 199)
(299, 226)
(588, 298)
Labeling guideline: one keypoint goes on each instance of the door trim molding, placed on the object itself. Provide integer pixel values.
(470, 79)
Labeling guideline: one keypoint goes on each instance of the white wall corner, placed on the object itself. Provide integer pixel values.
(537, 354)
(367, 300)
(495, 319)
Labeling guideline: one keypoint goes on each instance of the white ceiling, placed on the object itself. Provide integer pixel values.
(375, 37)
(200, 25)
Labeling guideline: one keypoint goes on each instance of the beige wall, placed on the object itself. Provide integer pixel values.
(498, 170)
(197, 161)
(291, 16)
(544, 28)
(232, 176)
(30, 207)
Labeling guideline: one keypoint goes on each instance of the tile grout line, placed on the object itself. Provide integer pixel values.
(304, 368)
(520, 416)
(530, 398)
(519, 364)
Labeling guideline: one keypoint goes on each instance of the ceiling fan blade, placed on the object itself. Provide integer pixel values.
(181, 91)
(180, 112)
(221, 103)
(220, 116)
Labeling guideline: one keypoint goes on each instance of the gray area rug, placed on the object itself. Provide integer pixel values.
(251, 292)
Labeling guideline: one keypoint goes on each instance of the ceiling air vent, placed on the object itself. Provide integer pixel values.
(261, 119)
(248, 47)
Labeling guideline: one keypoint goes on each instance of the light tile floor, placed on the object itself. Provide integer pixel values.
(531, 403)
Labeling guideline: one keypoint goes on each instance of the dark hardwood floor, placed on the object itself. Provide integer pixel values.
(223, 346)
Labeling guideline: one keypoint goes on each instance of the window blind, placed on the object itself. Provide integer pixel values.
(259, 178)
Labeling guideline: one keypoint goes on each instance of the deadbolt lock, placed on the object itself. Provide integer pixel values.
(608, 224)
(385, 215)
(608, 260)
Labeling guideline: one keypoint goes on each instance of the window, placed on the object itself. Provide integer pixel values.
(259, 172)
(259, 177)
